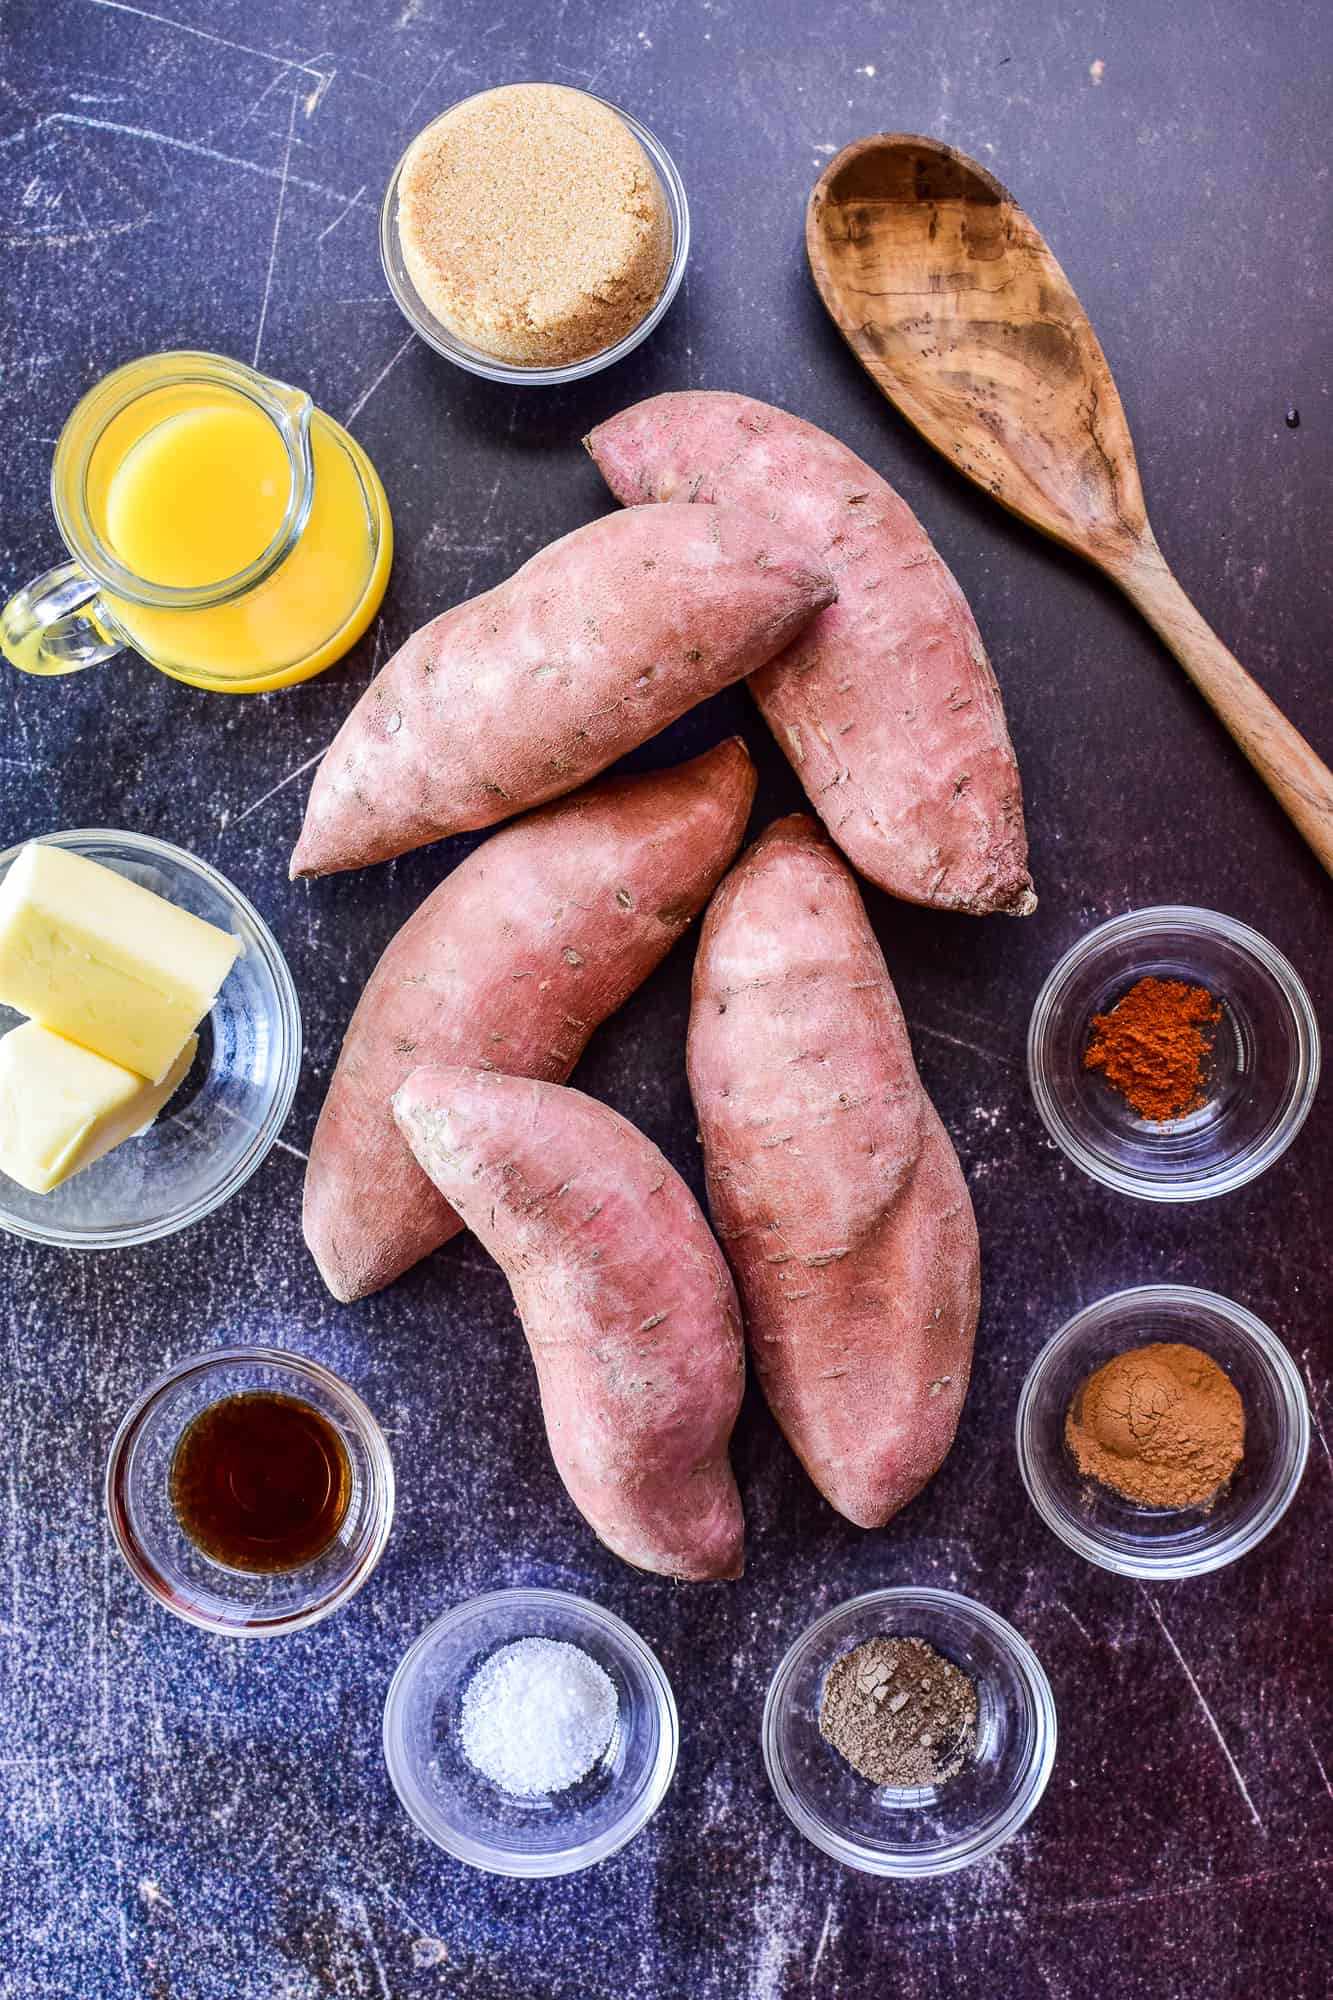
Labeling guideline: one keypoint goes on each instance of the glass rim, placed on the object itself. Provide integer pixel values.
(1230, 1544)
(965, 1851)
(289, 1023)
(486, 1856)
(353, 1411)
(535, 375)
(1226, 1176)
(289, 411)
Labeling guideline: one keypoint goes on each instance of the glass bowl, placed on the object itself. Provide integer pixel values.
(167, 1563)
(437, 335)
(1116, 1533)
(210, 1137)
(936, 1829)
(472, 1818)
(1265, 1067)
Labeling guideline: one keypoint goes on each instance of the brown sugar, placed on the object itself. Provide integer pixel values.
(533, 224)
(1162, 1425)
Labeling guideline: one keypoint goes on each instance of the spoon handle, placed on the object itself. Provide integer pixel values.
(1300, 781)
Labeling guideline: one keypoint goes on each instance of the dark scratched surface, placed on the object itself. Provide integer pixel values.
(187, 1819)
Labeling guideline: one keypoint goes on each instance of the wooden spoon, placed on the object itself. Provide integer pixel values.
(951, 299)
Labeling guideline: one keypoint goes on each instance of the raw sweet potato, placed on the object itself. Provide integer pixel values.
(833, 1185)
(510, 699)
(886, 705)
(511, 963)
(625, 1298)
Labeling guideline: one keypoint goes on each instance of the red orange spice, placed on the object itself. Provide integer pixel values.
(1155, 1048)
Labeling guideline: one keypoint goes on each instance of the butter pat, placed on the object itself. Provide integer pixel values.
(62, 1107)
(105, 963)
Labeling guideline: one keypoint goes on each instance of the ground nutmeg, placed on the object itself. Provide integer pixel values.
(1155, 1047)
(900, 1713)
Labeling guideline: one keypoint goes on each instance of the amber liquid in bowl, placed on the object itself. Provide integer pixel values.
(261, 1482)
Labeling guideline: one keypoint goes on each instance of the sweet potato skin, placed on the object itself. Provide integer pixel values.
(511, 963)
(516, 697)
(627, 1303)
(833, 1186)
(886, 704)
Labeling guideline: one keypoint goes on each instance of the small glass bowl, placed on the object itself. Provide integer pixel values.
(472, 1818)
(169, 1565)
(1265, 1066)
(437, 335)
(936, 1829)
(1153, 1542)
(210, 1137)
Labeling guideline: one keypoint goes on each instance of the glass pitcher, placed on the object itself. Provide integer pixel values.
(216, 521)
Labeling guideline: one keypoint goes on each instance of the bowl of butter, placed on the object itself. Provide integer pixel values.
(150, 1039)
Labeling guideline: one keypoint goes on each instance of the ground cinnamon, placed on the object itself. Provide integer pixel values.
(1162, 1425)
(1155, 1047)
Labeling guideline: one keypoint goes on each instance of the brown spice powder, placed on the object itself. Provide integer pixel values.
(1161, 1425)
(533, 225)
(900, 1713)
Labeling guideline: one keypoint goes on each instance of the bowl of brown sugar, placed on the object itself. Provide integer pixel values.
(534, 233)
(1173, 1054)
(1163, 1432)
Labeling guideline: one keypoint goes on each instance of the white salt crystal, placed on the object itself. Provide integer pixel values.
(536, 1716)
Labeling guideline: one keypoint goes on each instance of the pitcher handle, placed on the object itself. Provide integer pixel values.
(48, 627)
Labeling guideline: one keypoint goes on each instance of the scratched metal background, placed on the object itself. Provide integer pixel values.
(190, 1820)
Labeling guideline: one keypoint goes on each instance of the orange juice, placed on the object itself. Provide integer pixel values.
(187, 487)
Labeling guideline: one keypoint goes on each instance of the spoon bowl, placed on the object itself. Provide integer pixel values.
(954, 303)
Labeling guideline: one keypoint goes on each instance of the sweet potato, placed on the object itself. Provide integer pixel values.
(833, 1186)
(511, 963)
(625, 1298)
(886, 705)
(515, 697)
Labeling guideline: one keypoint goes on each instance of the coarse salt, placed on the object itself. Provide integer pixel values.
(537, 1715)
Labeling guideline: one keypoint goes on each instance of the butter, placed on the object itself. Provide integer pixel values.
(62, 1107)
(105, 963)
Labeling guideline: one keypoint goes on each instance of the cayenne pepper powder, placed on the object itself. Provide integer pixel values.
(1154, 1047)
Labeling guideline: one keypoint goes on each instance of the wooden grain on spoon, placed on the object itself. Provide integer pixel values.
(952, 300)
